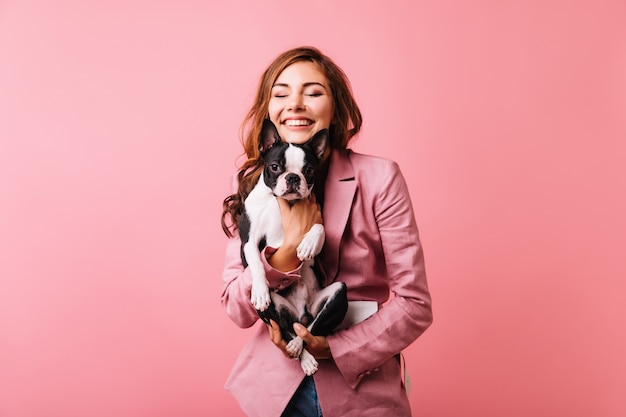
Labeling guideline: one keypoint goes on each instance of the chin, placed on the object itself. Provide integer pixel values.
(297, 138)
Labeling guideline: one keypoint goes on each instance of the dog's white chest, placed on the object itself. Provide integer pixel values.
(264, 212)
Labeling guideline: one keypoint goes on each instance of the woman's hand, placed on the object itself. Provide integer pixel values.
(297, 219)
(316, 345)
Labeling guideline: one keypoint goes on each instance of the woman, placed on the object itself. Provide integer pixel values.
(372, 245)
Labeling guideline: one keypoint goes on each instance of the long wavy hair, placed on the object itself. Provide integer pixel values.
(346, 123)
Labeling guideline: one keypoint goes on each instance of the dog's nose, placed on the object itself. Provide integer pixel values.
(292, 179)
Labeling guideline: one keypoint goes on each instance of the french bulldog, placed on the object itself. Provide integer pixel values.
(289, 172)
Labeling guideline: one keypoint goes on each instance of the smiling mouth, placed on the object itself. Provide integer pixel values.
(298, 122)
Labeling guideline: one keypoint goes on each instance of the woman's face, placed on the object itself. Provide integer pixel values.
(301, 102)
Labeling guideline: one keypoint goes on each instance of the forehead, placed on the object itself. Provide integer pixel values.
(293, 156)
(301, 72)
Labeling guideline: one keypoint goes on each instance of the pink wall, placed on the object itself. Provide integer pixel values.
(118, 124)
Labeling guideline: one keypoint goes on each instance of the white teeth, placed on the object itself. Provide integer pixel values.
(298, 122)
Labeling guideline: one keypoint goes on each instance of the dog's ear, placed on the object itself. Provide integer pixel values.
(269, 136)
(319, 142)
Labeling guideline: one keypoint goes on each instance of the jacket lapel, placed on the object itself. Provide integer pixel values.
(340, 188)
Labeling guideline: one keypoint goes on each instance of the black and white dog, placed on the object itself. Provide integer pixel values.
(288, 173)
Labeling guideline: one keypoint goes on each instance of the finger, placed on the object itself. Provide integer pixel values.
(303, 333)
(277, 338)
(316, 345)
(283, 204)
(275, 335)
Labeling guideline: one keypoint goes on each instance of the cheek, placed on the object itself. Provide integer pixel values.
(325, 117)
(273, 113)
(325, 111)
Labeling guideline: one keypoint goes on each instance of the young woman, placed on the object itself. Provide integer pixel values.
(372, 245)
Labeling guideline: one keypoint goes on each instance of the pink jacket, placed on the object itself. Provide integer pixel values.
(372, 245)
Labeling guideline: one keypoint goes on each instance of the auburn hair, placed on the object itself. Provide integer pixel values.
(346, 123)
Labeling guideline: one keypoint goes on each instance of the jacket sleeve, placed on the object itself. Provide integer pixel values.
(359, 350)
(237, 283)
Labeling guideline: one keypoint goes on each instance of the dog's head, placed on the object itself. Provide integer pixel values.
(290, 168)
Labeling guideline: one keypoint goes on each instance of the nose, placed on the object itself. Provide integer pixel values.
(293, 183)
(292, 179)
(296, 102)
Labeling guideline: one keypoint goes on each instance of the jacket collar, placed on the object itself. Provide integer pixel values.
(340, 188)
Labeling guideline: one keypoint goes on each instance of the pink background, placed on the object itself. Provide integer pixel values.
(118, 137)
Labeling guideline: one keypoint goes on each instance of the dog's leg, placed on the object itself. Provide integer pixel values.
(282, 312)
(260, 293)
(295, 347)
(265, 226)
(287, 308)
(285, 314)
(329, 307)
(308, 363)
(296, 306)
(312, 243)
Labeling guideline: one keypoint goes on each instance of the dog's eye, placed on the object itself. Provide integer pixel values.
(274, 167)
(307, 170)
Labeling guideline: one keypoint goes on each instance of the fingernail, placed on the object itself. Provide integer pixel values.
(297, 326)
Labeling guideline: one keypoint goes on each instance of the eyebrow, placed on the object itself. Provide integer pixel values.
(304, 85)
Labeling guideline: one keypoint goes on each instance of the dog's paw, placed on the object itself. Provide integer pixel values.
(304, 253)
(311, 244)
(294, 347)
(308, 363)
(260, 297)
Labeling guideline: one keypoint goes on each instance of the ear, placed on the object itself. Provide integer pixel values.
(319, 141)
(269, 136)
